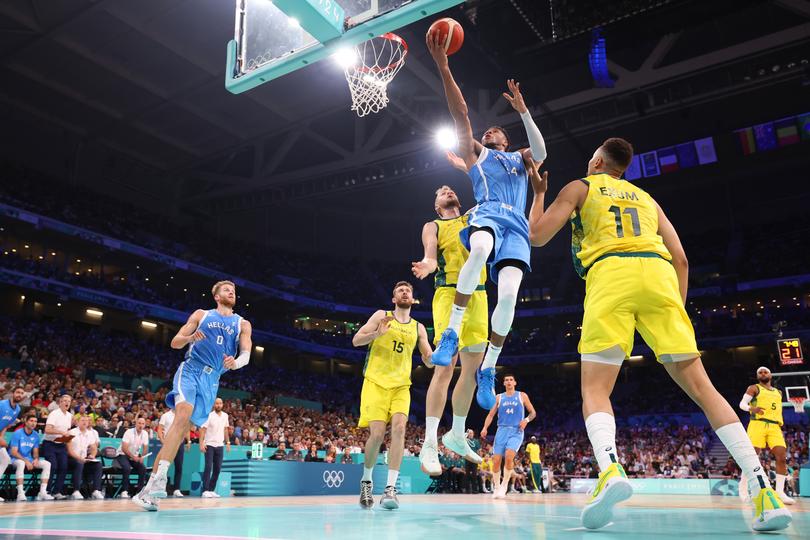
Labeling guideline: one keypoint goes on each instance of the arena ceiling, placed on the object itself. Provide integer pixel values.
(131, 94)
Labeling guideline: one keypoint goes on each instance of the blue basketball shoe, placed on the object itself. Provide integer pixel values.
(446, 349)
(485, 395)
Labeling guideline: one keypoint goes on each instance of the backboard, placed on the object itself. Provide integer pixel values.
(274, 37)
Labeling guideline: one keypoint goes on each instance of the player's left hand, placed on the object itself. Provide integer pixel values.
(523, 424)
(515, 99)
(455, 161)
(425, 267)
(539, 181)
(229, 361)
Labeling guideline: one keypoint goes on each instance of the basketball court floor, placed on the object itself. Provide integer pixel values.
(420, 516)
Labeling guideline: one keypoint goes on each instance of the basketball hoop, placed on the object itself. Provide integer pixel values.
(377, 62)
(798, 403)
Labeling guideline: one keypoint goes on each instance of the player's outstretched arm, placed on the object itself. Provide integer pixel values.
(673, 244)
(376, 326)
(245, 346)
(189, 333)
(544, 224)
(428, 264)
(537, 145)
(455, 101)
(424, 345)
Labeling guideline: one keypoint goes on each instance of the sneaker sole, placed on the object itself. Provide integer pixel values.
(431, 472)
(599, 514)
(366, 506)
(776, 522)
(143, 504)
(390, 504)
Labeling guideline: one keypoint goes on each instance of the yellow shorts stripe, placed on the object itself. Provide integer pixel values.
(474, 325)
(381, 404)
(624, 294)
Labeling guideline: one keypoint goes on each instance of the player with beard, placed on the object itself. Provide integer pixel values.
(213, 337)
(391, 337)
(9, 411)
(764, 403)
(445, 255)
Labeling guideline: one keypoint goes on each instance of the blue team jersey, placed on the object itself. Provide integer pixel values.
(500, 177)
(221, 339)
(510, 410)
(25, 443)
(8, 414)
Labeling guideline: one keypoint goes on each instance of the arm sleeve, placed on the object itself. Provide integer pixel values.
(536, 142)
(242, 360)
(744, 404)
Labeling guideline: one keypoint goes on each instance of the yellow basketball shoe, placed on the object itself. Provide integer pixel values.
(771, 514)
(612, 488)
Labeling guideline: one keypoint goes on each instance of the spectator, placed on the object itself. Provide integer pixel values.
(346, 458)
(331, 455)
(82, 452)
(131, 452)
(165, 422)
(213, 435)
(54, 450)
(25, 454)
(280, 453)
(295, 454)
(312, 455)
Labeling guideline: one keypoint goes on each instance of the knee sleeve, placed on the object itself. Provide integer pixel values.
(19, 467)
(46, 468)
(509, 279)
(481, 244)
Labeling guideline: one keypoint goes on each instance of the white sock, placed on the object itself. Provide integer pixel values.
(496, 481)
(780, 484)
(491, 357)
(736, 440)
(43, 488)
(163, 467)
(392, 477)
(601, 428)
(456, 314)
(432, 430)
(459, 423)
(21, 489)
(507, 474)
(367, 474)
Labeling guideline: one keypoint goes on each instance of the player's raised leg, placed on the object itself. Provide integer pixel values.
(771, 514)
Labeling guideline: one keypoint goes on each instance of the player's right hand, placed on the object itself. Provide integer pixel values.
(196, 336)
(382, 328)
(425, 267)
(757, 410)
(436, 49)
(455, 161)
(483, 434)
(539, 182)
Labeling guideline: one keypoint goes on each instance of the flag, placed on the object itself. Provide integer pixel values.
(746, 139)
(787, 132)
(649, 164)
(765, 136)
(705, 151)
(668, 160)
(634, 170)
(687, 155)
(804, 125)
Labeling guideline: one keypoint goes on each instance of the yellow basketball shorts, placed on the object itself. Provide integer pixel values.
(381, 404)
(765, 434)
(474, 325)
(624, 294)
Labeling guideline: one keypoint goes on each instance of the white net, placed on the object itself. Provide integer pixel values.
(374, 64)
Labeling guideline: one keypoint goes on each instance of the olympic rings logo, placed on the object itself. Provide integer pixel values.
(333, 479)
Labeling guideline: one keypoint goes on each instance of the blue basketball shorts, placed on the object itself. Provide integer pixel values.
(511, 230)
(507, 438)
(196, 384)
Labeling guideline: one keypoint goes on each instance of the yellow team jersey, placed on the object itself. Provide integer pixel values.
(451, 253)
(616, 218)
(486, 465)
(533, 449)
(389, 357)
(771, 401)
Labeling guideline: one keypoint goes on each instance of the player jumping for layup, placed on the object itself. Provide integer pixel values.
(391, 337)
(509, 407)
(213, 338)
(636, 277)
(445, 255)
(764, 403)
(498, 231)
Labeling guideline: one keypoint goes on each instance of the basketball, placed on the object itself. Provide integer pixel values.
(450, 33)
